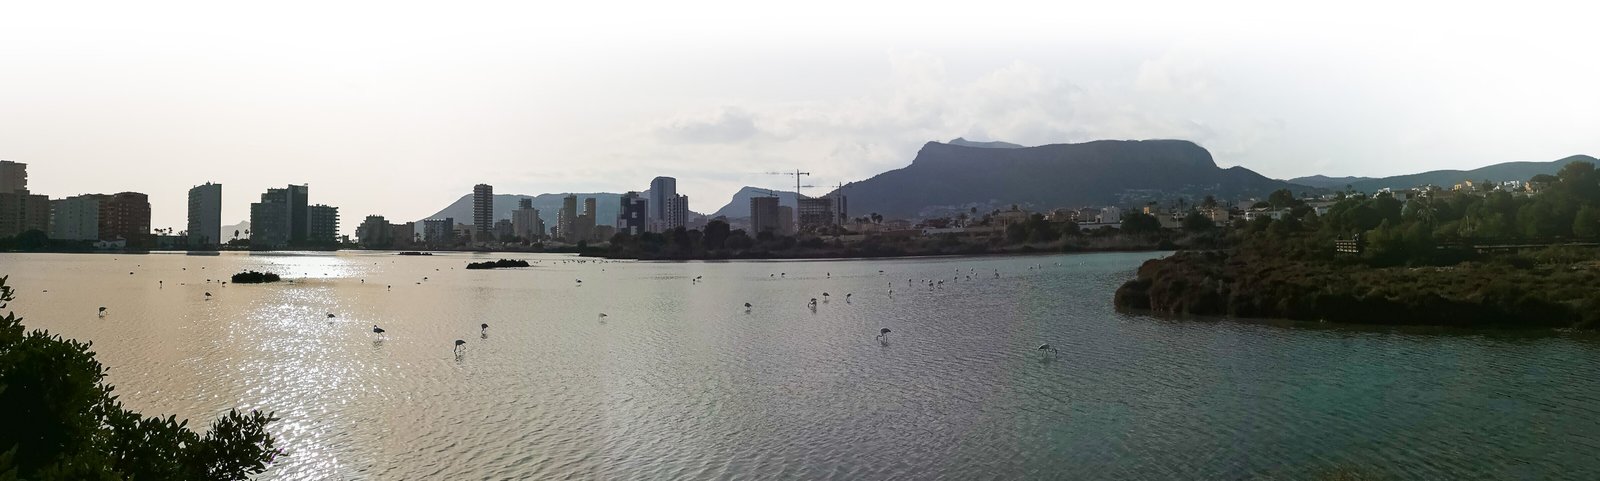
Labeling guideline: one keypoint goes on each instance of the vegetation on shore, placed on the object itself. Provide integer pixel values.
(1445, 258)
(502, 263)
(60, 420)
(253, 277)
(1032, 236)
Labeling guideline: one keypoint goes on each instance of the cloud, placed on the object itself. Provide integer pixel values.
(884, 123)
(725, 125)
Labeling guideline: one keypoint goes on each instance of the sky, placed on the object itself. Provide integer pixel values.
(399, 108)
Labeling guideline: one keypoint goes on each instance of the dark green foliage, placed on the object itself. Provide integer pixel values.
(1197, 222)
(502, 263)
(1137, 223)
(253, 277)
(1247, 284)
(59, 420)
(1439, 260)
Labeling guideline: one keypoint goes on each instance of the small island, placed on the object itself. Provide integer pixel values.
(1450, 258)
(499, 264)
(253, 277)
(414, 253)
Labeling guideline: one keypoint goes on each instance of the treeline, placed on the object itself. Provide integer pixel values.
(1440, 227)
(1432, 260)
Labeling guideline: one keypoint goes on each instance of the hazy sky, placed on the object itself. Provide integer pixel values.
(398, 108)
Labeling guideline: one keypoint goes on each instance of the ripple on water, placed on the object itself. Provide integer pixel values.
(680, 382)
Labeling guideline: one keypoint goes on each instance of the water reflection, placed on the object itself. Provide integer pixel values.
(724, 369)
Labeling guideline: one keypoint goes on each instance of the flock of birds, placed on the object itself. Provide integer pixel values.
(882, 337)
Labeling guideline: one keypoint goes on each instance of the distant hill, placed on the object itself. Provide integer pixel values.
(946, 178)
(739, 207)
(227, 230)
(1325, 182)
(1446, 178)
(607, 206)
(987, 145)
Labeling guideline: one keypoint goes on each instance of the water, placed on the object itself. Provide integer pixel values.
(680, 382)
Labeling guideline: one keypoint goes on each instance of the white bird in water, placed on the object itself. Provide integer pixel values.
(102, 311)
(883, 335)
(330, 315)
(483, 328)
(461, 346)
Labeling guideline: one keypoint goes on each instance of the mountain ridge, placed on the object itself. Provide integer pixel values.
(944, 179)
(1504, 171)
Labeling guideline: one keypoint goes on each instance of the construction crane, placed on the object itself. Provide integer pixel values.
(797, 173)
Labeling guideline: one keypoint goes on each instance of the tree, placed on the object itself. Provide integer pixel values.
(1587, 222)
(32, 240)
(716, 236)
(1140, 223)
(1210, 202)
(1197, 222)
(1282, 199)
(62, 422)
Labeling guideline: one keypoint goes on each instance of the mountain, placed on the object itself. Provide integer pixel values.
(945, 178)
(739, 207)
(1325, 182)
(1447, 178)
(986, 145)
(607, 207)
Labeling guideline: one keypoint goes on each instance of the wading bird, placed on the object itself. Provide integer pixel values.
(883, 335)
(377, 330)
(102, 311)
(1047, 350)
(460, 346)
(483, 328)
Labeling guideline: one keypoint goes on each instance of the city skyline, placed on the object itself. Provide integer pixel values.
(123, 98)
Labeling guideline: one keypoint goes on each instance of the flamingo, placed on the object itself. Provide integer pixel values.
(460, 346)
(102, 311)
(1046, 348)
(883, 335)
(483, 328)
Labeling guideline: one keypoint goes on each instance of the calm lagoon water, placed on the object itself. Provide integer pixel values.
(680, 382)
